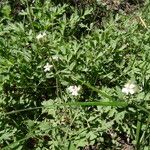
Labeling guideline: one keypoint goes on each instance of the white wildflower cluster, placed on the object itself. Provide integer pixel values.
(47, 67)
(130, 88)
(74, 90)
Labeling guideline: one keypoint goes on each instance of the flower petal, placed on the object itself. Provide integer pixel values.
(125, 90)
(132, 91)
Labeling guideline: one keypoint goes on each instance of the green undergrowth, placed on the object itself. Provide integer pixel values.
(47, 48)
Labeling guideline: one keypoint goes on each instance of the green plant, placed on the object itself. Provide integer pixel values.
(53, 49)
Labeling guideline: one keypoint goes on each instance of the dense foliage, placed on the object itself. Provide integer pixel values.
(74, 75)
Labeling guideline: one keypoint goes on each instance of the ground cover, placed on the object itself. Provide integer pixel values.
(74, 75)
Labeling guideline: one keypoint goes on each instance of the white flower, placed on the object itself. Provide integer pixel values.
(74, 90)
(40, 36)
(47, 67)
(130, 88)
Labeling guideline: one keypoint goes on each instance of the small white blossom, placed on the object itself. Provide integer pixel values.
(130, 88)
(41, 35)
(47, 67)
(74, 90)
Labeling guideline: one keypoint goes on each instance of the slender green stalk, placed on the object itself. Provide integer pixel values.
(138, 130)
(113, 104)
(95, 89)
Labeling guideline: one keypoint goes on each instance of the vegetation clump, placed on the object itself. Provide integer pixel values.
(74, 75)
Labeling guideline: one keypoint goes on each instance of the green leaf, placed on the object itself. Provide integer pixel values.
(111, 103)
